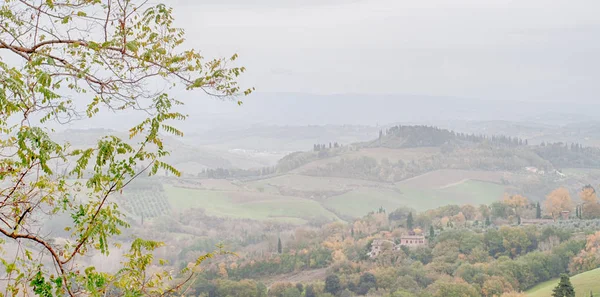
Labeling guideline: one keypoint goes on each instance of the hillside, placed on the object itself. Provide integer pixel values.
(407, 166)
(584, 283)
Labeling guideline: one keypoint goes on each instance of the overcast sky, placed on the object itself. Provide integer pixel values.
(492, 49)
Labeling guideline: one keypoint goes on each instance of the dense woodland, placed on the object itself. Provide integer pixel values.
(472, 250)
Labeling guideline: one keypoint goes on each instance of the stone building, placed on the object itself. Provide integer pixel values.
(412, 240)
(380, 245)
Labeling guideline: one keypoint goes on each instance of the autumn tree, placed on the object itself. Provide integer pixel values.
(469, 211)
(63, 61)
(557, 201)
(589, 258)
(495, 286)
(588, 195)
(516, 202)
(590, 209)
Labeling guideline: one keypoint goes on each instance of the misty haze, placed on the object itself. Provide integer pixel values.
(333, 148)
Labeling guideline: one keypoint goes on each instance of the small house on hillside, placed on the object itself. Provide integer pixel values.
(412, 240)
(380, 245)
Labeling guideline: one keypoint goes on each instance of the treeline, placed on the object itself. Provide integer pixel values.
(322, 147)
(315, 258)
(427, 136)
(479, 158)
(563, 155)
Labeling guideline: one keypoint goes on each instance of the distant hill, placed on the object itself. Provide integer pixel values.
(456, 151)
(189, 159)
(281, 138)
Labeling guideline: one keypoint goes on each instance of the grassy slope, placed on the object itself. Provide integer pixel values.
(583, 283)
(258, 206)
(262, 200)
(313, 183)
(359, 202)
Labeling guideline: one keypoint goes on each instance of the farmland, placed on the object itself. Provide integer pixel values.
(356, 203)
(296, 196)
(259, 206)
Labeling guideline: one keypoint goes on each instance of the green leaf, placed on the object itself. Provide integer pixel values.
(132, 46)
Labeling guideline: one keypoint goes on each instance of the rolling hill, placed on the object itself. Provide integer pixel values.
(415, 166)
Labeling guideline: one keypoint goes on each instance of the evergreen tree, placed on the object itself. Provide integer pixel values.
(518, 220)
(431, 232)
(538, 211)
(310, 292)
(352, 231)
(564, 287)
(409, 221)
(487, 221)
(279, 246)
(332, 284)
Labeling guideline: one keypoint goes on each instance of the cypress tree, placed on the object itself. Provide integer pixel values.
(279, 246)
(564, 287)
(431, 232)
(538, 211)
(409, 221)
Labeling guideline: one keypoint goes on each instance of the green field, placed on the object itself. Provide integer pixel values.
(266, 199)
(312, 183)
(359, 202)
(467, 192)
(448, 177)
(583, 283)
(258, 206)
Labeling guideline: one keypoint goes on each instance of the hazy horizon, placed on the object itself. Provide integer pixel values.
(503, 50)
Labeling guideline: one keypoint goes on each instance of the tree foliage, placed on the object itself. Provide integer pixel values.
(558, 200)
(69, 60)
(564, 288)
